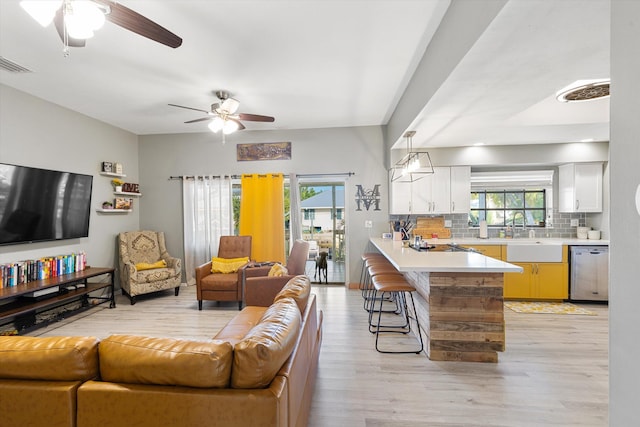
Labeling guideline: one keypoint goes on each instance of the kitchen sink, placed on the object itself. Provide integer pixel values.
(539, 251)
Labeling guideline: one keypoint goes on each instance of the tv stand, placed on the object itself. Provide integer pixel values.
(21, 303)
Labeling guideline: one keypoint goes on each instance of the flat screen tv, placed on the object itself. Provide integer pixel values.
(38, 205)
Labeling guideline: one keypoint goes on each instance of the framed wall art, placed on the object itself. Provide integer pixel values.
(264, 151)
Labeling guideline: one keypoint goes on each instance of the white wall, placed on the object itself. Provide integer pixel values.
(314, 151)
(37, 133)
(624, 346)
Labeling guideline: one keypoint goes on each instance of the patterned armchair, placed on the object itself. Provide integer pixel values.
(140, 249)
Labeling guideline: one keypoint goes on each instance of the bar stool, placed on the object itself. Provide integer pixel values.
(390, 283)
(377, 268)
(375, 259)
(365, 256)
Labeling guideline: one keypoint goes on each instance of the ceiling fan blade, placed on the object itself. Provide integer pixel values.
(191, 108)
(58, 20)
(240, 125)
(199, 120)
(133, 21)
(255, 117)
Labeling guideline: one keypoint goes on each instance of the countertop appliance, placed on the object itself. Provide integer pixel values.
(589, 273)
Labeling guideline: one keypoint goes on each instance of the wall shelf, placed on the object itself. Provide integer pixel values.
(125, 193)
(120, 175)
(114, 211)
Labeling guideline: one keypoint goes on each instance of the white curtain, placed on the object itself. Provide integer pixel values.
(295, 219)
(208, 214)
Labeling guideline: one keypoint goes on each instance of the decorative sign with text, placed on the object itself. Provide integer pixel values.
(368, 198)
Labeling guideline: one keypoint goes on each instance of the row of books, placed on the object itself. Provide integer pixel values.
(16, 273)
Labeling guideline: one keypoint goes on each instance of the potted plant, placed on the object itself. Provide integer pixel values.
(117, 184)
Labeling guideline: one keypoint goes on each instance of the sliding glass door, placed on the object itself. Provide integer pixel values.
(322, 211)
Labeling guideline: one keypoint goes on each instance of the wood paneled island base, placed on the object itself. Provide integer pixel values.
(462, 314)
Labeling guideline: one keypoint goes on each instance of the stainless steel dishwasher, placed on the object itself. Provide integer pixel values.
(589, 273)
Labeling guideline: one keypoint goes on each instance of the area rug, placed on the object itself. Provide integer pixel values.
(547, 308)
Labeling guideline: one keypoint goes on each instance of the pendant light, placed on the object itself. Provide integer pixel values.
(414, 165)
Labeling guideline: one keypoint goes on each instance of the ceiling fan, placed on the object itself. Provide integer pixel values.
(224, 116)
(75, 20)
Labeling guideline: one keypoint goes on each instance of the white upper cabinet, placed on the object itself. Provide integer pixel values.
(580, 187)
(460, 189)
(400, 198)
(447, 190)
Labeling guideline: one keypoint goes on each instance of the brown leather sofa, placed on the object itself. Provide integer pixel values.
(40, 377)
(259, 370)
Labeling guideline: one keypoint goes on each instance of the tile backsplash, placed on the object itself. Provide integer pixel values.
(460, 225)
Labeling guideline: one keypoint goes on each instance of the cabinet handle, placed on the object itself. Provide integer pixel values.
(577, 204)
(453, 206)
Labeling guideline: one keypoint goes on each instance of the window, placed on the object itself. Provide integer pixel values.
(309, 214)
(338, 213)
(501, 208)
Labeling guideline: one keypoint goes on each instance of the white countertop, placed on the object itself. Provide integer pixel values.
(470, 241)
(407, 259)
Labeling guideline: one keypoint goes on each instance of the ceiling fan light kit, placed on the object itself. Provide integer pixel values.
(76, 20)
(223, 115)
(42, 11)
(82, 18)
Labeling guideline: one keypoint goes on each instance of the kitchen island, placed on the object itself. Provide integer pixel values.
(459, 300)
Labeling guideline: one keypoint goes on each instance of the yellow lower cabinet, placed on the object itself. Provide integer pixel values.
(543, 280)
(518, 285)
(552, 280)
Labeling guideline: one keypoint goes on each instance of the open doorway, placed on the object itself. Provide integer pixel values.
(323, 225)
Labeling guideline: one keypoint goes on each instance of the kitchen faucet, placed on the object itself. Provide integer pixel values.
(513, 221)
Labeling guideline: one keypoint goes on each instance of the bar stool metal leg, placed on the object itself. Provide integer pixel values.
(401, 289)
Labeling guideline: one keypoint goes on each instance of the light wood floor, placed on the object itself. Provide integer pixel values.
(554, 371)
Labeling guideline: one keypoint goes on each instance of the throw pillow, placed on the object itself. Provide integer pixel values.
(148, 266)
(278, 270)
(227, 265)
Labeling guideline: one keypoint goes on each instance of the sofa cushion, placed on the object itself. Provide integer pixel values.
(238, 327)
(298, 288)
(265, 348)
(219, 282)
(166, 361)
(49, 358)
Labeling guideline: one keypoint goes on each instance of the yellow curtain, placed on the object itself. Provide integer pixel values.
(262, 215)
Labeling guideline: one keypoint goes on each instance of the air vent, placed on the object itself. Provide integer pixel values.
(12, 67)
(581, 91)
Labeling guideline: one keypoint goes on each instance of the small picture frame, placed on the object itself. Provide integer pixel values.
(123, 203)
(107, 167)
(117, 168)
